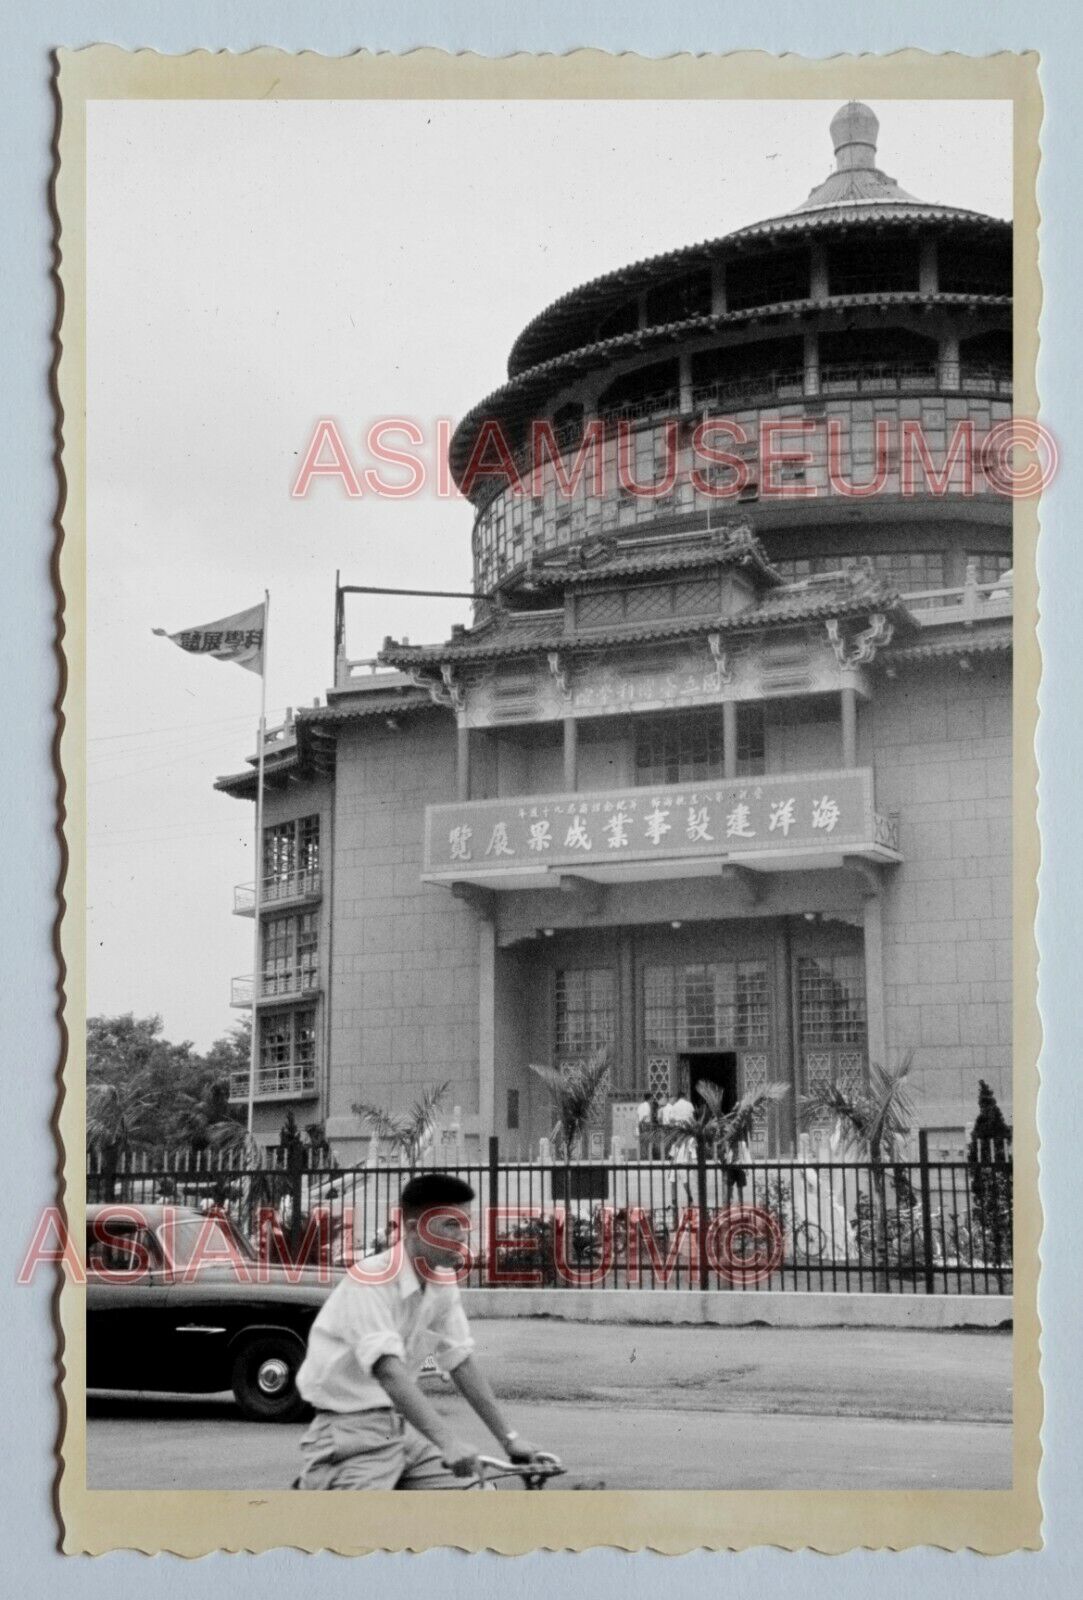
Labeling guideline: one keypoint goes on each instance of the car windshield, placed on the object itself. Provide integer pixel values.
(217, 1242)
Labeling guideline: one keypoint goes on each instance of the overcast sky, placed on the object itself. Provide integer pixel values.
(255, 266)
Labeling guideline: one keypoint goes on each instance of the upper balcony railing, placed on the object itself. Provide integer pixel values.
(288, 887)
(972, 602)
(292, 983)
(276, 1083)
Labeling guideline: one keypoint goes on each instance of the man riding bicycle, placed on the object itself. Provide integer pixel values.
(374, 1428)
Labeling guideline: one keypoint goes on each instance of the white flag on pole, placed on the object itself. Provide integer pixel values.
(238, 638)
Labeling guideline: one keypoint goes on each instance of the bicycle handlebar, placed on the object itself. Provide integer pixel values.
(534, 1473)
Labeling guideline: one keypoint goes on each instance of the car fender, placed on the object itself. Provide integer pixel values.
(258, 1330)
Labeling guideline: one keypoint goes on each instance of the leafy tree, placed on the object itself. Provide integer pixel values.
(144, 1092)
(991, 1177)
(408, 1133)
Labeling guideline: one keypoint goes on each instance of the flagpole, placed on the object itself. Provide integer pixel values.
(258, 941)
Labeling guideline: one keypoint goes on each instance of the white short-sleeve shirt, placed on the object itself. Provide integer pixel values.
(387, 1312)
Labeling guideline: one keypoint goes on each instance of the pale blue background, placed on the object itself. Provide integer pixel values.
(28, 1560)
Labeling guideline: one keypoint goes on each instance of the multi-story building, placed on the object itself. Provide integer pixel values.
(719, 774)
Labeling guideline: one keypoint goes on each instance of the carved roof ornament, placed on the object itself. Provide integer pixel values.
(559, 669)
(722, 669)
(456, 694)
(859, 649)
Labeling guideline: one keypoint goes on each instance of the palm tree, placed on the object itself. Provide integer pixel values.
(406, 1132)
(574, 1092)
(874, 1123)
(116, 1119)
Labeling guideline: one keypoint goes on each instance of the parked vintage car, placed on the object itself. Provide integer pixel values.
(152, 1325)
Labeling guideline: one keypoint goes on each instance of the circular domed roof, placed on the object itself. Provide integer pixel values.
(856, 180)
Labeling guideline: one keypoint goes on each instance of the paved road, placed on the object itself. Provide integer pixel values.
(663, 1408)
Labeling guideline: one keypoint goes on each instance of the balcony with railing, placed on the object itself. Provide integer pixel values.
(777, 822)
(285, 1082)
(291, 983)
(969, 603)
(285, 889)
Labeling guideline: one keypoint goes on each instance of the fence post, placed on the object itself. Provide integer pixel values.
(295, 1161)
(494, 1176)
(926, 1209)
(701, 1205)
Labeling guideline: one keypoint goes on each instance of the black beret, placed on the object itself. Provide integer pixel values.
(432, 1189)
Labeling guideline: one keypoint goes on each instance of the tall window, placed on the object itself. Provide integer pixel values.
(291, 857)
(988, 568)
(290, 954)
(287, 1051)
(831, 1012)
(689, 748)
(585, 1011)
(714, 1005)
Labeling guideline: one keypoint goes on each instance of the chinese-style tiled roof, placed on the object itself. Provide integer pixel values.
(520, 397)
(311, 752)
(393, 703)
(989, 641)
(792, 604)
(734, 546)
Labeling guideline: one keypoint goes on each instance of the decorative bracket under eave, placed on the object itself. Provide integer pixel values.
(559, 670)
(722, 670)
(456, 694)
(859, 649)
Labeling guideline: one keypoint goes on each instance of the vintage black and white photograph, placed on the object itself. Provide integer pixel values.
(550, 970)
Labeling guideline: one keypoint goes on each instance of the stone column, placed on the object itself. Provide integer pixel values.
(718, 289)
(463, 764)
(819, 283)
(571, 755)
(849, 726)
(729, 738)
(949, 361)
(486, 1027)
(812, 363)
(874, 979)
(928, 270)
(785, 1044)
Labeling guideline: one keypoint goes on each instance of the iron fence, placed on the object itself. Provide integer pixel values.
(764, 1226)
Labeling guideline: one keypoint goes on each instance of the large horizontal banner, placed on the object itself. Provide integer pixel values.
(790, 812)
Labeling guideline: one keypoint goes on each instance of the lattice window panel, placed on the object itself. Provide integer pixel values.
(753, 1077)
(653, 600)
(659, 1076)
(697, 598)
(599, 610)
(850, 1072)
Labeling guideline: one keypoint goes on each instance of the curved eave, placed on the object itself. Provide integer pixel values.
(774, 614)
(591, 298)
(518, 397)
(969, 644)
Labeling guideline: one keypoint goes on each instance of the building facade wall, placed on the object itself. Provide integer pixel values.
(404, 966)
(944, 762)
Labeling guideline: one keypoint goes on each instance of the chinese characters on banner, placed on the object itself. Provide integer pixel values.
(808, 810)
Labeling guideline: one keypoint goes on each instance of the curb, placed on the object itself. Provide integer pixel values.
(724, 1309)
